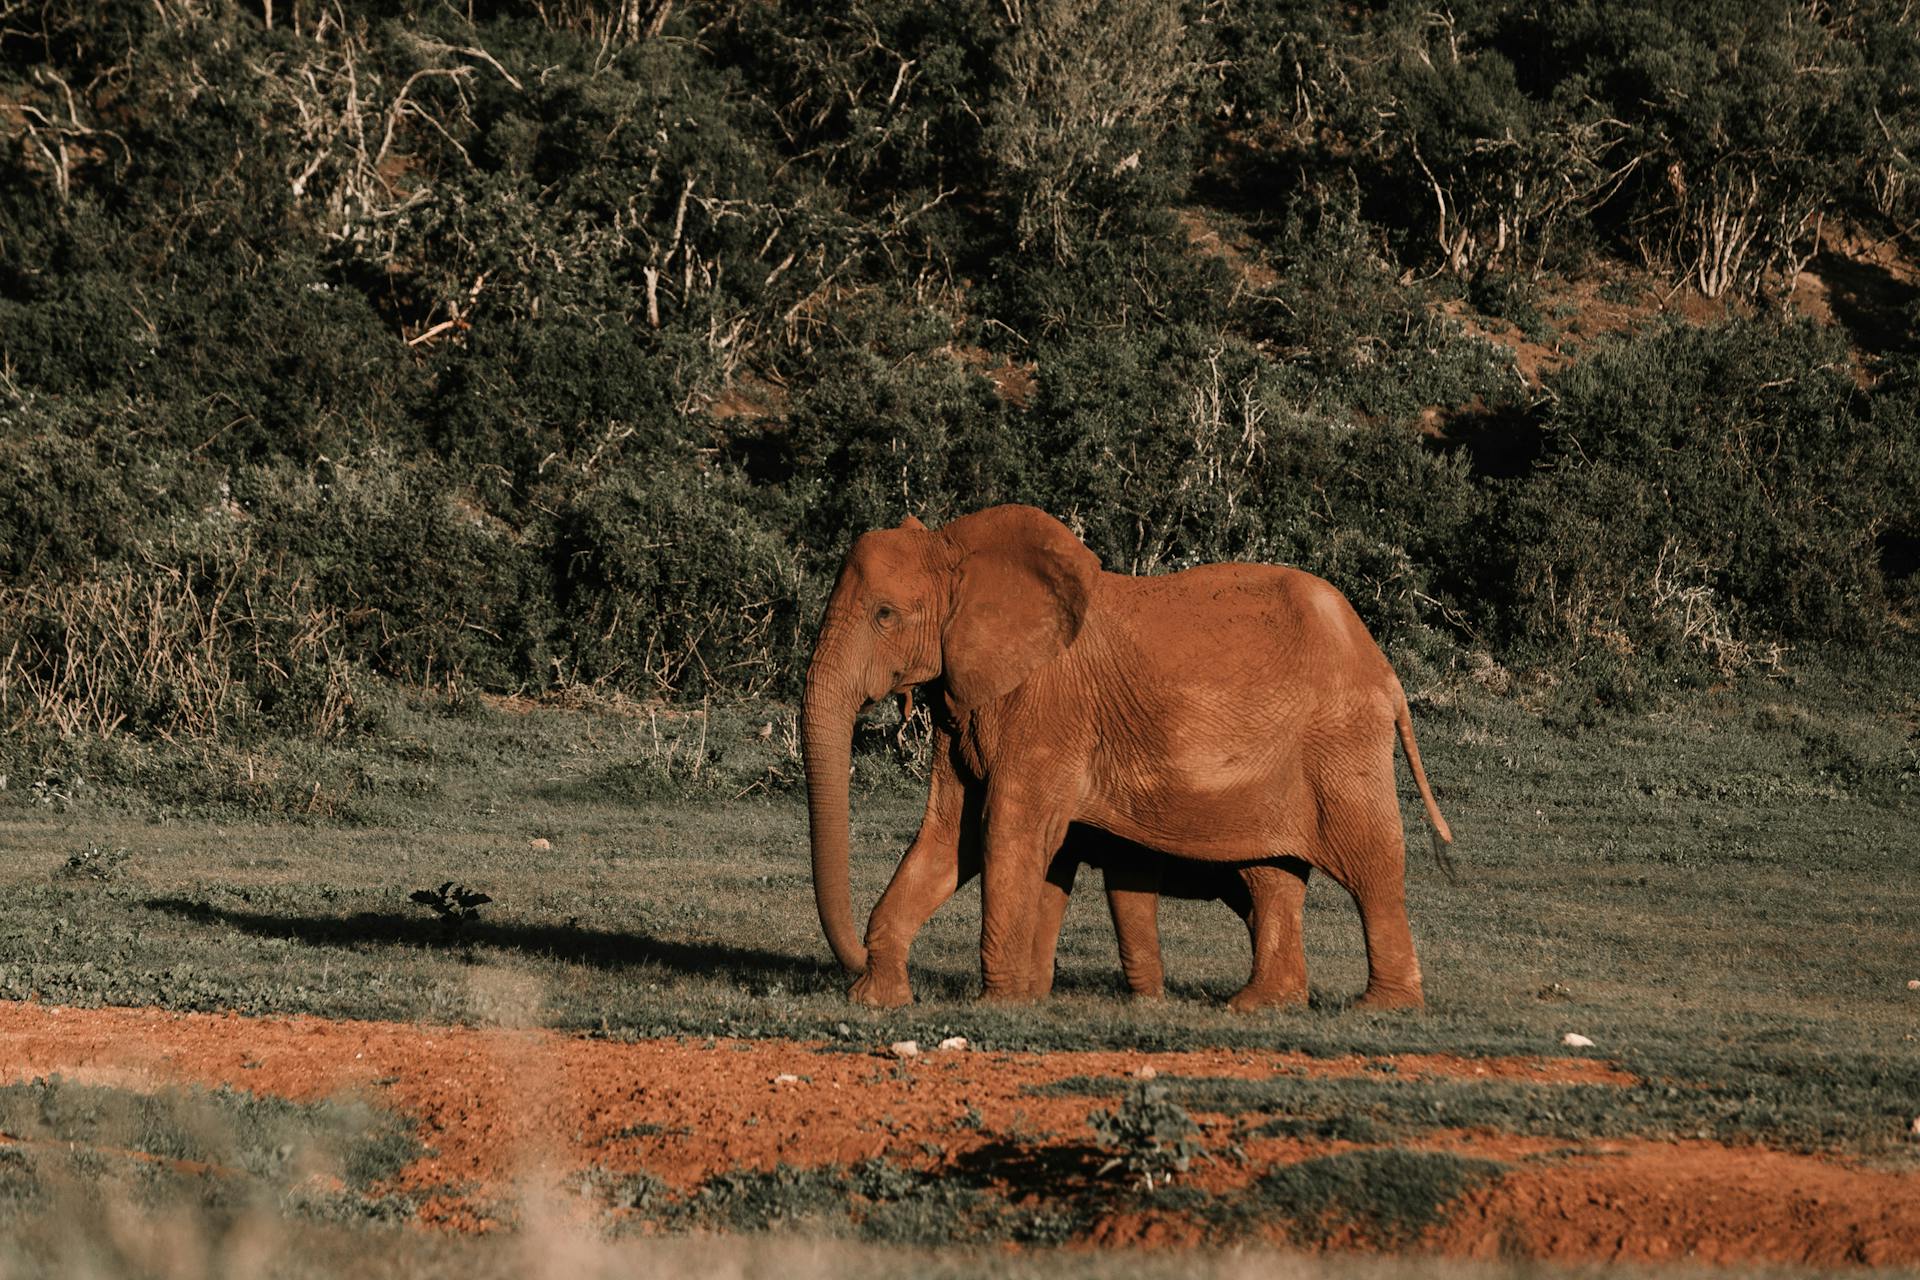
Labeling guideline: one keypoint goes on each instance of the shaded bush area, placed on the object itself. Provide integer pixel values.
(517, 348)
(1710, 140)
(1681, 498)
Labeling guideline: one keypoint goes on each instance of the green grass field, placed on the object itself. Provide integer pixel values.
(1719, 891)
(1725, 880)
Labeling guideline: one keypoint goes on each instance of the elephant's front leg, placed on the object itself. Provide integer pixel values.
(1022, 830)
(944, 855)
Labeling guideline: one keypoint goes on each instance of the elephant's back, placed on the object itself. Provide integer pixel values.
(1217, 613)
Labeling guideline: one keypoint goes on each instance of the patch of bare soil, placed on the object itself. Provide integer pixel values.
(1658, 1202)
(1864, 284)
(1584, 310)
(750, 397)
(1013, 381)
(495, 1108)
(1239, 252)
(1867, 286)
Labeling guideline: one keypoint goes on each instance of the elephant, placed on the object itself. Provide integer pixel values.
(1229, 713)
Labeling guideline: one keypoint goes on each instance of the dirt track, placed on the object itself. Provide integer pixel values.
(499, 1110)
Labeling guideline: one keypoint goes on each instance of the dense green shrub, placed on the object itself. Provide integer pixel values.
(1712, 140)
(512, 350)
(1703, 486)
(874, 440)
(1742, 124)
(77, 489)
(514, 404)
(1500, 176)
(430, 585)
(668, 581)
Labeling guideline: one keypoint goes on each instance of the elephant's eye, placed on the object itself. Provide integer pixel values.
(885, 615)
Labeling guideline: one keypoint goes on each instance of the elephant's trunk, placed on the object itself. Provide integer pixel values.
(827, 741)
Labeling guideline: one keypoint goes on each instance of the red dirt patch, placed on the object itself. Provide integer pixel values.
(1013, 382)
(1658, 1202)
(1863, 284)
(1586, 309)
(1240, 254)
(749, 397)
(494, 1107)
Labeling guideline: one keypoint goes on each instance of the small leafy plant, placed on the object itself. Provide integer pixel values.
(95, 862)
(455, 904)
(1154, 1136)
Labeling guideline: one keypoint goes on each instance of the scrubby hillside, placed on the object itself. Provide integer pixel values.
(556, 346)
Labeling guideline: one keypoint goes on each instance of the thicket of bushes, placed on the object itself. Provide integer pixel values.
(551, 346)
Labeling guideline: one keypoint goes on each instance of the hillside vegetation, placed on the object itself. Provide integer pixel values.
(563, 346)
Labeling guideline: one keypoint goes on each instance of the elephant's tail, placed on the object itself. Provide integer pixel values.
(1442, 834)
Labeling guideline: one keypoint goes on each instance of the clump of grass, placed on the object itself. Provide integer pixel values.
(1390, 1195)
(709, 752)
(875, 1200)
(752, 1200)
(617, 1190)
(1813, 1100)
(214, 1146)
(215, 645)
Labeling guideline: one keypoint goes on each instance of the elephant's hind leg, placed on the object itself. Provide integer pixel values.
(1049, 914)
(1133, 899)
(1365, 850)
(1278, 893)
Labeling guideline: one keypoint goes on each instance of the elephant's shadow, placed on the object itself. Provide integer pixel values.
(1018, 1166)
(572, 943)
(613, 951)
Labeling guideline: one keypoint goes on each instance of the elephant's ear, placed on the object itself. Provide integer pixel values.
(1021, 586)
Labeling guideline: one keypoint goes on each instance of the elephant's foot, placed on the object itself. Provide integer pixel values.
(1384, 997)
(1040, 988)
(1018, 991)
(882, 990)
(1249, 998)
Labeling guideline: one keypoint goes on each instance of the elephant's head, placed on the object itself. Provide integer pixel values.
(978, 605)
